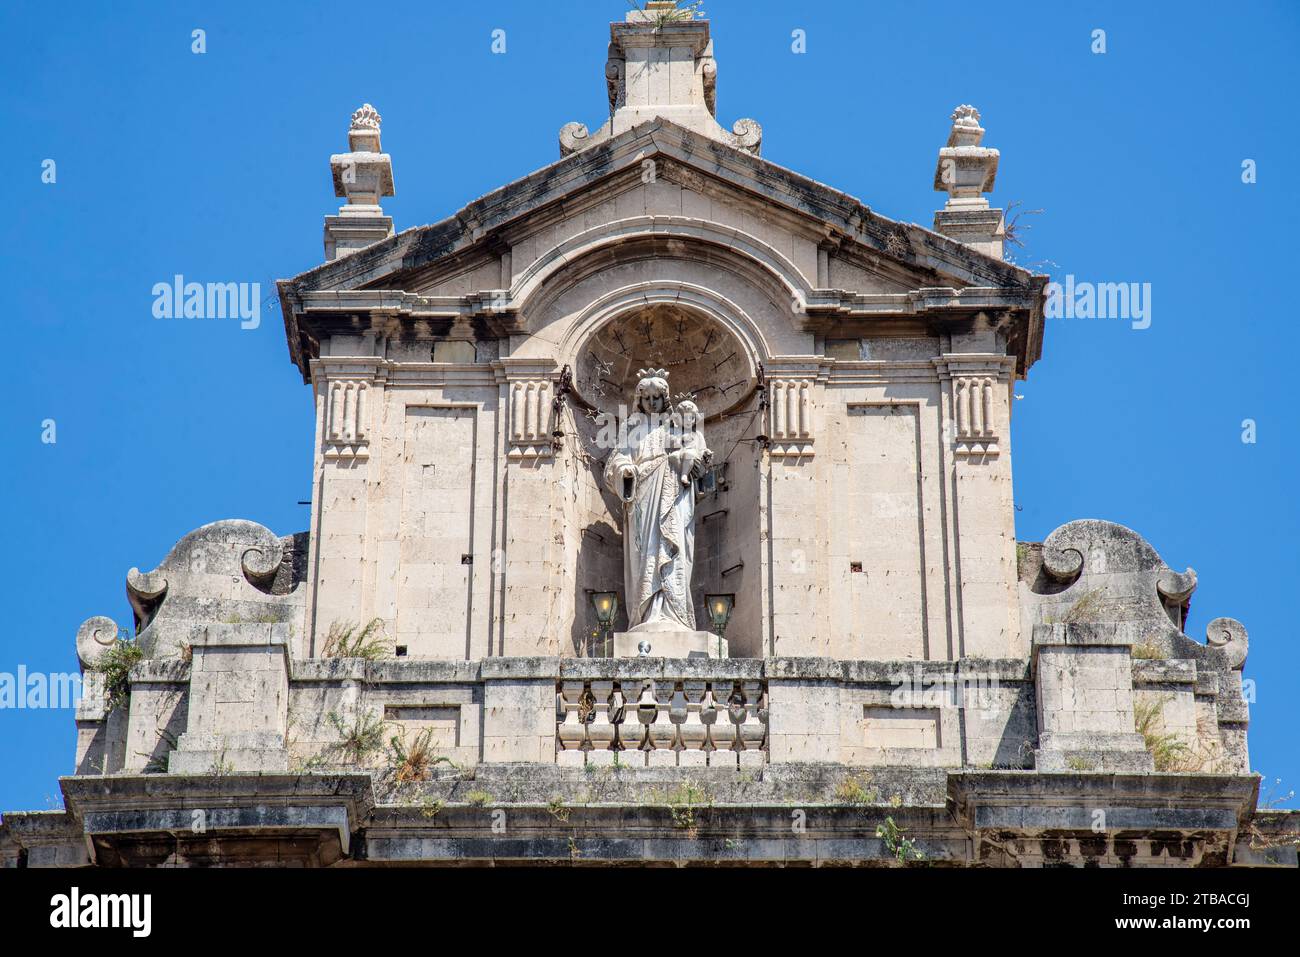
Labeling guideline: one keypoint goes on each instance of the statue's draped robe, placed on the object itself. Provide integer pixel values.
(658, 524)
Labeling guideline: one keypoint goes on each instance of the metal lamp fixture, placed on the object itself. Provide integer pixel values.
(720, 607)
(606, 605)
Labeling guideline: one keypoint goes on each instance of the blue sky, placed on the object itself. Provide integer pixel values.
(215, 166)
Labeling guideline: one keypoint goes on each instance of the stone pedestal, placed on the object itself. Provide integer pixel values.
(1084, 681)
(668, 643)
(238, 702)
(355, 227)
(982, 229)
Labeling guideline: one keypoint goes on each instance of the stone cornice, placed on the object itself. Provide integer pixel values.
(841, 215)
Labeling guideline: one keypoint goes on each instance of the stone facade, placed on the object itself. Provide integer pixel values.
(893, 651)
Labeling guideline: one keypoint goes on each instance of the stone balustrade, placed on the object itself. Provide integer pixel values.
(661, 722)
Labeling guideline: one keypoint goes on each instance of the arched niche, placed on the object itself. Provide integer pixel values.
(705, 361)
(712, 358)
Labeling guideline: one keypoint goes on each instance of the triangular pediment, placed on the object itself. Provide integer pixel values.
(867, 261)
(839, 216)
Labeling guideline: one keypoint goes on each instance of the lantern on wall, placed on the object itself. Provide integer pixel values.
(720, 607)
(606, 605)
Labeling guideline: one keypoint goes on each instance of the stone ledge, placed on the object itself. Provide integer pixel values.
(161, 671)
(388, 671)
(245, 635)
(797, 814)
(1114, 634)
(632, 669)
(1171, 672)
(971, 789)
(886, 672)
(572, 669)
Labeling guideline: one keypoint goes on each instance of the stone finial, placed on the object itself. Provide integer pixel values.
(366, 118)
(966, 171)
(966, 129)
(363, 175)
(661, 65)
(664, 11)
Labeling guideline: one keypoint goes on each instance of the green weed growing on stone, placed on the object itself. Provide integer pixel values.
(346, 640)
(115, 664)
(559, 810)
(1147, 651)
(415, 761)
(854, 790)
(360, 738)
(687, 11)
(683, 801)
(1169, 751)
(903, 848)
(1086, 608)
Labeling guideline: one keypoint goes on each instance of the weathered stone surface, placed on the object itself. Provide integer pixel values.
(224, 573)
(894, 658)
(810, 814)
(1101, 583)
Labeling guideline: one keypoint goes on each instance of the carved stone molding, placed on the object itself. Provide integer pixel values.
(95, 636)
(230, 571)
(976, 384)
(531, 403)
(792, 410)
(973, 410)
(1133, 584)
(347, 420)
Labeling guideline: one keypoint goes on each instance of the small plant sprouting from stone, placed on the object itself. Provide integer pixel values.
(1169, 751)
(309, 764)
(1147, 651)
(664, 14)
(221, 767)
(903, 848)
(559, 810)
(855, 789)
(683, 801)
(115, 664)
(348, 640)
(1022, 554)
(1013, 229)
(415, 762)
(157, 763)
(1086, 609)
(1272, 799)
(429, 807)
(478, 798)
(360, 738)
(1077, 763)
